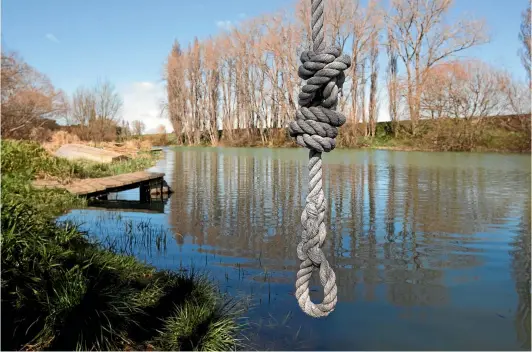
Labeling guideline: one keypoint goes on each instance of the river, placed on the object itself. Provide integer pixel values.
(431, 250)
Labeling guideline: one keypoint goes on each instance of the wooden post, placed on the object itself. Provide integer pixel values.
(144, 192)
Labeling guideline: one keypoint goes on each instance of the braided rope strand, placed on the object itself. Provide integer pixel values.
(316, 127)
(317, 25)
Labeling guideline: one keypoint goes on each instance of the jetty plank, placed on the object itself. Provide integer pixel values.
(94, 186)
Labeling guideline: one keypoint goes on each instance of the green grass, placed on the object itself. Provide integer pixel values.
(49, 202)
(31, 160)
(61, 291)
(23, 161)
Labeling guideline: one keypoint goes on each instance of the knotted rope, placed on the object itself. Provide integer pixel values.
(316, 127)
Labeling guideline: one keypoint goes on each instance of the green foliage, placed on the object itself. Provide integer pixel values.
(196, 326)
(26, 158)
(62, 292)
(17, 189)
(89, 169)
(23, 161)
(496, 134)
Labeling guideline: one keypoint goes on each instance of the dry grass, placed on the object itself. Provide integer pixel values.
(17, 156)
(130, 148)
(59, 138)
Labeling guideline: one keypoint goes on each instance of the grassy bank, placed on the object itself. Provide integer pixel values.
(23, 156)
(24, 161)
(491, 134)
(62, 292)
(494, 134)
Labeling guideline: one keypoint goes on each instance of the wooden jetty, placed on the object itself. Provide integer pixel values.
(93, 187)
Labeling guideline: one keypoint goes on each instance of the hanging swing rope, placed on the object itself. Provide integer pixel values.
(315, 128)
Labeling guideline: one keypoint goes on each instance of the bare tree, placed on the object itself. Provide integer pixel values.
(374, 67)
(392, 81)
(243, 80)
(362, 81)
(96, 111)
(83, 107)
(28, 98)
(194, 123)
(525, 38)
(303, 22)
(465, 89)
(138, 127)
(108, 102)
(176, 89)
(364, 23)
(124, 130)
(518, 98)
(462, 97)
(211, 93)
(423, 38)
(338, 17)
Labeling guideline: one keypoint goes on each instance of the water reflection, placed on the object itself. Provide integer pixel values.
(520, 254)
(415, 238)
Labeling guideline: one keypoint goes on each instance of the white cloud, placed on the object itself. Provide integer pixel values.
(52, 38)
(146, 85)
(227, 25)
(142, 101)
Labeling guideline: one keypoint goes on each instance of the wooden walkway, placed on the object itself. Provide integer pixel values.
(91, 187)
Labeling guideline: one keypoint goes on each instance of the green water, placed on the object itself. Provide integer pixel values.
(431, 250)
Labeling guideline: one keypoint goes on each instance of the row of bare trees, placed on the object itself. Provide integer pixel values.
(244, 80)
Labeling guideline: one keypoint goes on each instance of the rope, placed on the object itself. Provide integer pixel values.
(316, 127)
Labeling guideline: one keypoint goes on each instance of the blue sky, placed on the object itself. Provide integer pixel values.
(75, 42)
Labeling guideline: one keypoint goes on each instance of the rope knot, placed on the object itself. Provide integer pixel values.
(316, 127)
(317, 121)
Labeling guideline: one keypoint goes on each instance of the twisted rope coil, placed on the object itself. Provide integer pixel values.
(316, 127)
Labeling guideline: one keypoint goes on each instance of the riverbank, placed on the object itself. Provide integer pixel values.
(61, 291)
(24, 161)
(504, 134)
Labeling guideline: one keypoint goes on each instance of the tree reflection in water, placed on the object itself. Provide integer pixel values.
(399, 224)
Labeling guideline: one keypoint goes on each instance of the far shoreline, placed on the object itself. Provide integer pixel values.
(385, 148)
